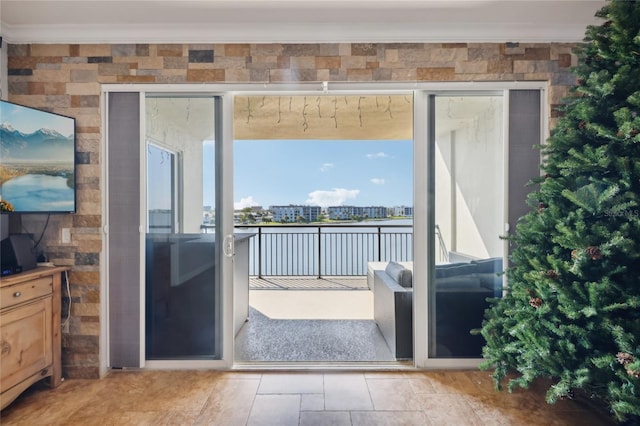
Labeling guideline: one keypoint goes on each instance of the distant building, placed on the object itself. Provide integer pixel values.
(348, 212)
(373, 212)
(401, 211)
(208, 215)
(340, 212)
(292, 213)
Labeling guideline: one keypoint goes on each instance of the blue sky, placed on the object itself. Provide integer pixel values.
(27, 120)
(323, 172)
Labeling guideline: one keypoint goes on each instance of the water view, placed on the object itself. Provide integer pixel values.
(38, 192)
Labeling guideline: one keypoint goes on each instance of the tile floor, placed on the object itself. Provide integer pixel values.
(204, 397)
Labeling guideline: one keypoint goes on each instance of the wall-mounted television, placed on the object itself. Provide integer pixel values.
(37, 160)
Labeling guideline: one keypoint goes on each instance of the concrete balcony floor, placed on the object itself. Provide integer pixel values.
(306, 319)
(307, 298)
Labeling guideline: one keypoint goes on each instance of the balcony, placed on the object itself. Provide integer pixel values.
(337, 261)
(309, 295)
(309, 291)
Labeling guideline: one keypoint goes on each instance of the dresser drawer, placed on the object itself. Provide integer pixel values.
(19, 293)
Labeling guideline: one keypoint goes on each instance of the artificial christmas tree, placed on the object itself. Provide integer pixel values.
(572, 307)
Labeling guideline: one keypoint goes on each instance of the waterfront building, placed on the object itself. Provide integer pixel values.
(292, 213)
(401, 211)
(349, 212)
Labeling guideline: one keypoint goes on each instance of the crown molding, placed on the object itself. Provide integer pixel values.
(295, 21)
(292, 33)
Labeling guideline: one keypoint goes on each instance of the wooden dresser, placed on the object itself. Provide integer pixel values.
(30, 332)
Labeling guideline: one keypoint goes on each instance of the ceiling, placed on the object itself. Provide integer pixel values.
(299, 21)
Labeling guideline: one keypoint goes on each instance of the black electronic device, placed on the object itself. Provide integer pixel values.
(17, 254)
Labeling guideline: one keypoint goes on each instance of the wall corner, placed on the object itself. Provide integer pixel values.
(4, 74)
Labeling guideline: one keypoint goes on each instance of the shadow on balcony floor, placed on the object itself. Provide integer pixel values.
(308, 283)
(263, 339)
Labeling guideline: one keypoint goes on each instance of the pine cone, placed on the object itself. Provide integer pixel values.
(575, 253)
(634, 132)
(594, 252)
(536, 302)
(633, 373)
(582, 125)
(624, 358)
(541, 207)
(552, 274)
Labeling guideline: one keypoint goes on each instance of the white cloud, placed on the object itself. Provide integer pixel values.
(335, 197)
(326, 167)
(245, 202)
(377, 181)
(377, 155)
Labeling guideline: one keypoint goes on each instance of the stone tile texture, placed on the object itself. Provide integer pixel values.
(67, 79)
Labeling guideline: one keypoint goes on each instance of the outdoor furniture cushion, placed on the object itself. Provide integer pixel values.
(399, 274)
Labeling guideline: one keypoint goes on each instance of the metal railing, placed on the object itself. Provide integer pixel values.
(443, 253)
(325, 250)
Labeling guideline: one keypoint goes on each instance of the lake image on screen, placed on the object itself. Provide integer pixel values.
(37, 192)
(37, 160)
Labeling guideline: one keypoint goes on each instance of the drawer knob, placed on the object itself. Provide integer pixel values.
(17, 294)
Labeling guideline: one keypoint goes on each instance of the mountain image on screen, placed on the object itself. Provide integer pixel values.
(37, 160)
(43, 144)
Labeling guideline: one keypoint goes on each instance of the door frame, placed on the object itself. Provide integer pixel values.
(426, 248)
(423, 198)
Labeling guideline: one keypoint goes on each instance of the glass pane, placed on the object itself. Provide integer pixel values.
(469, 213)
(161, 165)
(182, 295)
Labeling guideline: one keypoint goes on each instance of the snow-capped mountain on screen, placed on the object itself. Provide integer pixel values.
(43, 144)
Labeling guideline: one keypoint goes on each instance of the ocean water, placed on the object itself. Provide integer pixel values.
(38, 193)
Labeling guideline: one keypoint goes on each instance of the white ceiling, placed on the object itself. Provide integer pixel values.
(264, 21)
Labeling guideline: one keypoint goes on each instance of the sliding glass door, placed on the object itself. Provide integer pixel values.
(176, 185)
(183, 303)
(469, 210)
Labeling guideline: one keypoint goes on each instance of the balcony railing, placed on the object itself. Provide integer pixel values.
(328, 250)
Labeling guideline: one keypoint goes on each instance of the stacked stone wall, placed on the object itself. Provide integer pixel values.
(67, 79)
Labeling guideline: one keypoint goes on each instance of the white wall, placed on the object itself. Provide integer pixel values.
(470, 206)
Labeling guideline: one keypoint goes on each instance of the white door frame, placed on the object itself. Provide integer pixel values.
(227, 91)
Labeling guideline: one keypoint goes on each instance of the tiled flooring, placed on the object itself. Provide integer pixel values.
(291, 398)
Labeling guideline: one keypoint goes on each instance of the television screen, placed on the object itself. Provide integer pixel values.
(37, 160)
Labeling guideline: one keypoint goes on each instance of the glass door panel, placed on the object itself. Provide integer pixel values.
(469, 217)
(183, 307)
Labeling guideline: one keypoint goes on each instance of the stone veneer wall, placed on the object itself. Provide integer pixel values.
(66, 78)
